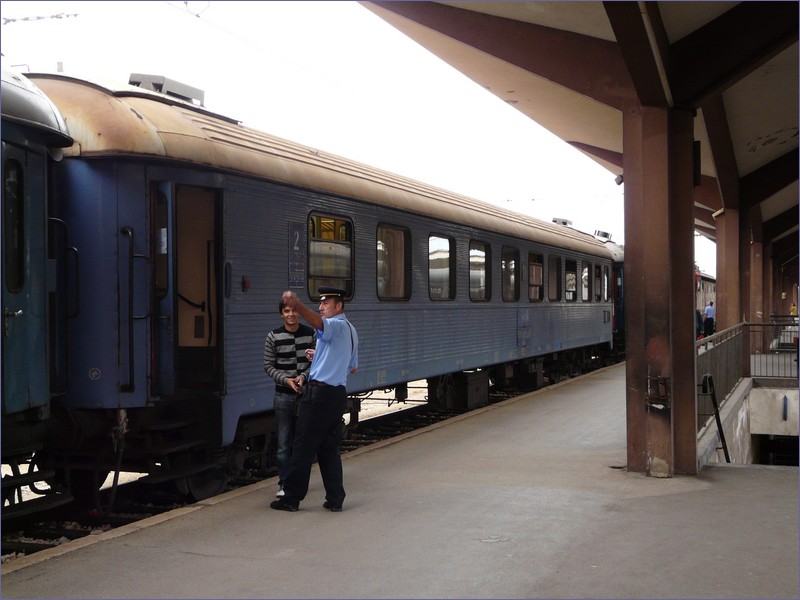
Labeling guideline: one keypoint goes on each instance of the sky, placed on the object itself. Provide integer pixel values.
(334, 76)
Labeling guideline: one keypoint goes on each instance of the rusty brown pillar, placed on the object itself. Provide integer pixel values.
(769, 279)
(784, 265)
(682, 300)
(728, 303)
(659, 264)
(752, 267)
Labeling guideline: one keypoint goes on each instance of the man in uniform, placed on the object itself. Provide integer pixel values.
(708, 324)
(318, 432)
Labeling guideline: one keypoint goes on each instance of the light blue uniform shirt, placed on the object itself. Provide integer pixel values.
(337, 351)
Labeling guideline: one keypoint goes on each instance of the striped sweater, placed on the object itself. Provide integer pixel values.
(285, 355)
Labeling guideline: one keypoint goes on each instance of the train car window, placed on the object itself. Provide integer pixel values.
(598, 283)
(480, 271)
(330, 253)
(441, 268)
(509, 268)
(571, 280)
(586, 282)
(393, 268)
(13, 226)
(554, 278)
(535, 278)
(605, 284)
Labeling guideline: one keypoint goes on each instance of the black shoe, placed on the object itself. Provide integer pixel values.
(331, 507)
(281, 505)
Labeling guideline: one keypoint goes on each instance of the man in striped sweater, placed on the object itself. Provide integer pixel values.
(286, 362)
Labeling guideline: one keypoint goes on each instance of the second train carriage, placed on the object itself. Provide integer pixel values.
(32, 130)
(188, 226)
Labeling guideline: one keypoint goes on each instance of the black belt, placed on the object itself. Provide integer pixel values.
(317, 383)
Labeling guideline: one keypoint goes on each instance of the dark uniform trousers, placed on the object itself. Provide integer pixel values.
(318, 434)
(708, 327)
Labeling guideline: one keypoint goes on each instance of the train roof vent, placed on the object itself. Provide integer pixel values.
(565, 222)
(167, 86)
(602, 234)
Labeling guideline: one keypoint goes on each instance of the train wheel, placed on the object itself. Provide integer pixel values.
(204, 484)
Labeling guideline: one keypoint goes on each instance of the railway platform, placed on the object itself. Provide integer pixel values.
(526, 498)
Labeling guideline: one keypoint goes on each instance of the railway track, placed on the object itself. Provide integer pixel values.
(136, 501)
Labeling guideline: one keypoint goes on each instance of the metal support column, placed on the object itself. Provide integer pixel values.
(728, 304)
(682, 300)
(752, 271)
(659, 264)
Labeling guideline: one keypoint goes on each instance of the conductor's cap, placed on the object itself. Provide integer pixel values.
(330, 292)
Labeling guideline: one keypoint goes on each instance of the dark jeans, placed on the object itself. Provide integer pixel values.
(284, 417)
(318, 435)
(708, 327)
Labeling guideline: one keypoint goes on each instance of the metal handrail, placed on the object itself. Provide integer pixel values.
(721, 356)
(129, 387)
(707, 389)
(759, 350)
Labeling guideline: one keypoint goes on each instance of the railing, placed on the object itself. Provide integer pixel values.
(773, 348)
(719, 355)
(758, 350)
(707, 389)
(783, 333)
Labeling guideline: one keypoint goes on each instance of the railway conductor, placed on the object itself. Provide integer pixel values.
(318, 432)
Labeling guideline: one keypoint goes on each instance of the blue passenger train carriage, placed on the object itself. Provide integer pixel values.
(187, 226)
(30, 346)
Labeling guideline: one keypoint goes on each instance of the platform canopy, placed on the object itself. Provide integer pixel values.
(573, 67)
(704, 98)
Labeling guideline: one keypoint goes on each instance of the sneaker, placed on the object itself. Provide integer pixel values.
(280, 493)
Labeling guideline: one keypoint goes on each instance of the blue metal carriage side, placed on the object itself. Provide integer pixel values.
(189, 226)
(31, 128)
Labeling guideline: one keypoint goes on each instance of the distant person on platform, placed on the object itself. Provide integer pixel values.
(318, 431)
(698, 324)
(708, 324)
(287, 362)
(793, 310)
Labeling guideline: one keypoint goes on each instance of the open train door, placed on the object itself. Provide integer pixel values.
(187, 296)
(186, 329)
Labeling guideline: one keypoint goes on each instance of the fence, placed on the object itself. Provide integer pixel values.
(757, 350)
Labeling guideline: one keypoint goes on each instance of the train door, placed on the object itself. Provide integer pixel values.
(164, 288)
(24, 268)
(187, 297)
(618, 308)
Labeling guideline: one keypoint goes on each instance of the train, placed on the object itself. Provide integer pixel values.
(33, 135)
(165, 235)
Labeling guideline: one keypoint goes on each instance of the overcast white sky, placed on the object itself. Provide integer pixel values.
(334, 76)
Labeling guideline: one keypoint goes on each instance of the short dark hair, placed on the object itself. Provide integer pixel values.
(281, 306)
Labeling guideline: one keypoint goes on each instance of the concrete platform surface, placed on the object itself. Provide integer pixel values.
(527, 498)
